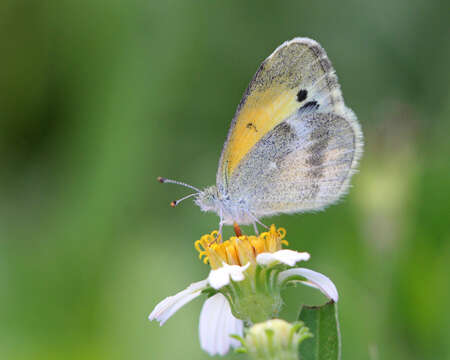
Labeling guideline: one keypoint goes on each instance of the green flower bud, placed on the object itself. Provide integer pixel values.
(274, 340)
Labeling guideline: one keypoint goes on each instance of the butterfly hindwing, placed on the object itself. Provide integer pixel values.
(304, 163)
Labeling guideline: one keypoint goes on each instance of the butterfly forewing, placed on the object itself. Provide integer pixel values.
(293, 144)
(297, 74)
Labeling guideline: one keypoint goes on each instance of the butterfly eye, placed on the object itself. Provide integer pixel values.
(302, 94)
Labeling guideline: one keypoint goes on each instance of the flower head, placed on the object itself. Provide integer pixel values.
(239, 250)
(258, 264)
(244, 285)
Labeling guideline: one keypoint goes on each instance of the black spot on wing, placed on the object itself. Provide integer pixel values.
(251, 126)
(302, 94)
(310, 105)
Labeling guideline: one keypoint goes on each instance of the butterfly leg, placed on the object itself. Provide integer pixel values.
(255, 227)
(255, 219)
(219, 233)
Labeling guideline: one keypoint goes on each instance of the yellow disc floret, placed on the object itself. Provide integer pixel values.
(239, 250)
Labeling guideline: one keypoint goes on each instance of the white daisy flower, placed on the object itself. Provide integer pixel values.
(245, 271)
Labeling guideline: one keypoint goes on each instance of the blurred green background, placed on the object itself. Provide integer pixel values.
(98, 98)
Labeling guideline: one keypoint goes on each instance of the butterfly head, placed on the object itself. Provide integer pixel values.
(208, 199)
(229, 210)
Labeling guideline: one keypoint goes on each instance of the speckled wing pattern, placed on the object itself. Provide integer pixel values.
(293, 144)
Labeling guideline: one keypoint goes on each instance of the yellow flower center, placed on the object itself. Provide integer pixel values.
(239, 250)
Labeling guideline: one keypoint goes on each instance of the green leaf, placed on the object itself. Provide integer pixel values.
(323, 323)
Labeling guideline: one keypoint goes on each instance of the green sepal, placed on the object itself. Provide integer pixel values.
(209, 291)
(238, 338)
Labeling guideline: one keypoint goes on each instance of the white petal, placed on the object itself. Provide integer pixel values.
(315, 279)
(265, 259)
(237, 272)
(220, 277)
(170, 305)
(217, 323)
(237, 329)
(285, 256)
(291, 257)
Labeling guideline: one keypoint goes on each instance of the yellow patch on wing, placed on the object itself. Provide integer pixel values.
(262, 111)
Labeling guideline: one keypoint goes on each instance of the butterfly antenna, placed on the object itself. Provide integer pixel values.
(176, 202)
(168, 181)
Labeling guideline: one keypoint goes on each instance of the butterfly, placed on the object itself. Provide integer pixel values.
(293, 145)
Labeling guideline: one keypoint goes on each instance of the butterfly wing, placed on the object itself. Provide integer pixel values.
(293, 144)
(304, 163)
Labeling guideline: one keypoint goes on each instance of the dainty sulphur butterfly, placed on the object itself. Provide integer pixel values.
(292, 146)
